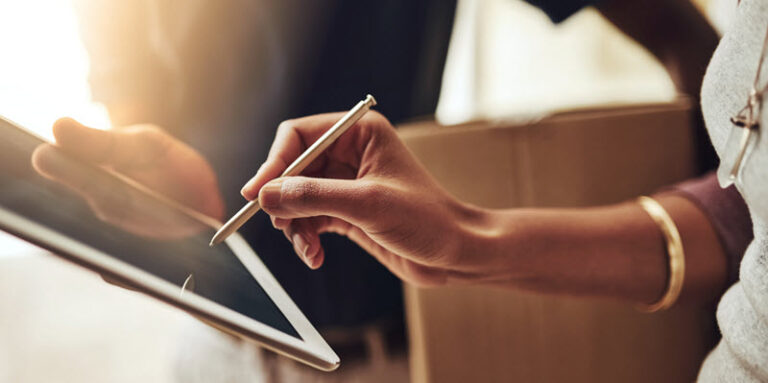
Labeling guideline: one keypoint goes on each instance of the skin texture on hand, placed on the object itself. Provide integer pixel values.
(369, 187)
(143, 153)
(366, 186)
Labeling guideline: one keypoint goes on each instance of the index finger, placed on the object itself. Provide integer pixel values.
(293, 137)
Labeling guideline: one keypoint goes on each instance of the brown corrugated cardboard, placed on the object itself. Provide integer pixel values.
(579, 158)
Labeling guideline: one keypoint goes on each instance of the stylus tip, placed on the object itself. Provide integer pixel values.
(220, 236)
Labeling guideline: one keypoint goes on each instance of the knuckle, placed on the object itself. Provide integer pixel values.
(145, 131)
(375, 116)
(150, 135)
(377, 120)
(378, 125)
(286, 125)
(142, 146)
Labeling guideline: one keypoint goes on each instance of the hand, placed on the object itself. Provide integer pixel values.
(369, 187)
(143, 153)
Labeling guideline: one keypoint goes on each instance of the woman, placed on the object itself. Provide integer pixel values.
(369, 187)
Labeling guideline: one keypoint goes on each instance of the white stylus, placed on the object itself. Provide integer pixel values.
(306, 158)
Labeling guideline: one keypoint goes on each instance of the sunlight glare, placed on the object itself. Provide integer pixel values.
(44, 66)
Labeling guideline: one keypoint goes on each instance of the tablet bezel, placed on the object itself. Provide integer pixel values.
(311, 349)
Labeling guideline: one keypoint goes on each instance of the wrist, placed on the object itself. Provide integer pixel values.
(490, 240)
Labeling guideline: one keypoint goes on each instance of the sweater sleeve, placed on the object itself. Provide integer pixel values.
(728, 214)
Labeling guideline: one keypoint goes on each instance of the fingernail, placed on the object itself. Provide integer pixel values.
(269, 196)
(312, 262)
(301, 245)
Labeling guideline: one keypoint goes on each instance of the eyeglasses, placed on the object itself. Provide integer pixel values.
(745, 134)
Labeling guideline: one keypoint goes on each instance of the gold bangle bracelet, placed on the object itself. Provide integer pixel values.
(674, 252)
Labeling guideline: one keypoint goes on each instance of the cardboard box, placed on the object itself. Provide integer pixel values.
(579, 158)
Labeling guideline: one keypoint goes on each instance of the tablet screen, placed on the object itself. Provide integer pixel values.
(93, 207)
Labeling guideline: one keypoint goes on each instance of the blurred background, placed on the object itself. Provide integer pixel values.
(506, 60)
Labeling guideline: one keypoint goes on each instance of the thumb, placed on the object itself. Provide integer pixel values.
(355, 201)
(128, 147)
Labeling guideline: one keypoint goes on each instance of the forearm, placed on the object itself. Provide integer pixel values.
(613, 251)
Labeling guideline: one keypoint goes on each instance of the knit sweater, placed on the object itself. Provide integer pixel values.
(742, 314)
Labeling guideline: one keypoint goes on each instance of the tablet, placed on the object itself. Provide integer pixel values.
(107, 223)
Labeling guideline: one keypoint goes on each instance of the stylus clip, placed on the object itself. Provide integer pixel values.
(189, 285)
